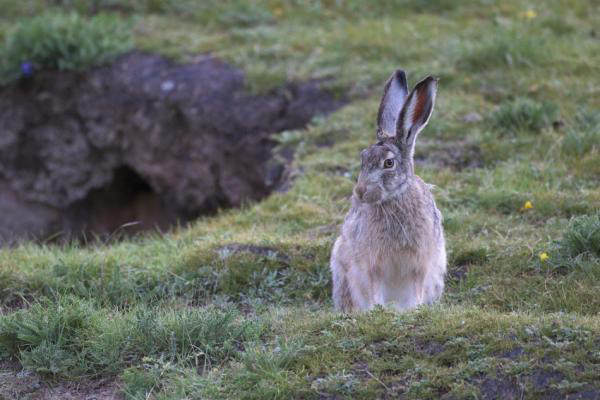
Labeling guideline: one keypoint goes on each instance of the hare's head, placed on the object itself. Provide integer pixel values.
(387, 166)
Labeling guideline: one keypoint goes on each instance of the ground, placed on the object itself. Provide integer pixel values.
(237, 305)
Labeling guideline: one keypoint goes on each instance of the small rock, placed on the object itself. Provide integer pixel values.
(167, 86)
(472, 117)
(226, 251)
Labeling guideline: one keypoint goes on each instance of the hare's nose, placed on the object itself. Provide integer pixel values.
(359, 191)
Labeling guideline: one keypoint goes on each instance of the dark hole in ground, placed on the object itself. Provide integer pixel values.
(144, 142)
(127, 205)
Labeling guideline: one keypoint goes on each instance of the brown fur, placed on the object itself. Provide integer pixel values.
(420, 106)
(345, 296)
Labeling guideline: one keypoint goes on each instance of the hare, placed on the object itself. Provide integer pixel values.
(391, 250)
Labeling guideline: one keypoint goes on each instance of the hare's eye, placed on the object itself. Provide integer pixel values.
(389, 163)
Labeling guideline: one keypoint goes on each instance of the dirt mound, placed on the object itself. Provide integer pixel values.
(144, 141)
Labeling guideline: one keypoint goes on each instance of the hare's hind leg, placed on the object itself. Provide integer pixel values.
(342, 296)
(351, 291)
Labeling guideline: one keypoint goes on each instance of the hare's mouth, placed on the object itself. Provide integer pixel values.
(372, 196)
(368, 196)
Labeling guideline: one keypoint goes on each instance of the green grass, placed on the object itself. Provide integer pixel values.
(238, 305)
(73, 338)
(583, 135)
(523, 115)
(62, 41)
(579, 247)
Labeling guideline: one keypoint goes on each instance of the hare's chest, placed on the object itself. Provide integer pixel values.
(396, 280)
(395, 264)
(388, 263)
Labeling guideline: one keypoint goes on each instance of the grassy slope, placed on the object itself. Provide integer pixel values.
(182, 316)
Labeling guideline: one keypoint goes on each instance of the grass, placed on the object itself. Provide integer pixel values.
(523, 115)
(583, 135)
(238, 305)
(579, 247)
(71, 337)
(59, 41)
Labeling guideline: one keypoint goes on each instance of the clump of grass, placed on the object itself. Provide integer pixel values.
(523, 115)
(270, 371)
(505, 49)
(65, 42)
(477, 255)
(581, 240)
(47, 338)
(559, 25)
(582, 136)
(502, 201)
(143, 381)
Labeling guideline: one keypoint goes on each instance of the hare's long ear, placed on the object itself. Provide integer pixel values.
(394, 96)
(415, 113)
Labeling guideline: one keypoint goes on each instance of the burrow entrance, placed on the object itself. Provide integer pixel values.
(126, 205)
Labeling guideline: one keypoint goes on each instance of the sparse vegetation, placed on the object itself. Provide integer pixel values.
(72, 338)
(237, 305)
(583, 135)
(506, 49)
(523, 115)
(579, 244)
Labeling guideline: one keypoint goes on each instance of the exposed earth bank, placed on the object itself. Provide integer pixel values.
(144, 142)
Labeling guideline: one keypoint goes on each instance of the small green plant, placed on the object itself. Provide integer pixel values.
(523, 115)
(583, 135)
(47, 336)
(579, 246)
(139, 383)
(582, 238)
(269, 372)
(505, 49)
(477, 255)
(142, 382)
(64, 42)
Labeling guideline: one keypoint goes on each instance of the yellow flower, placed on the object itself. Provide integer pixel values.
(530, 14)
(278, 11)
(543, 256)
(527, 206)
